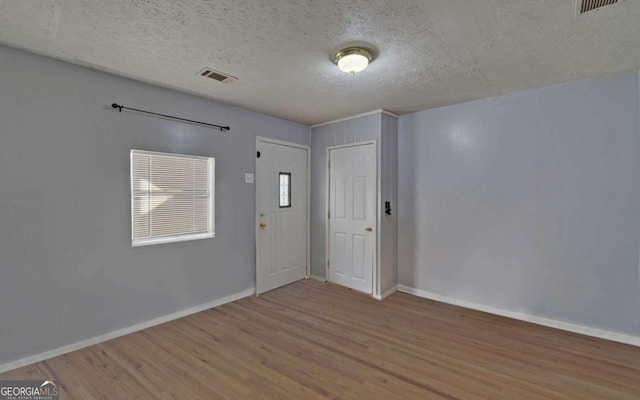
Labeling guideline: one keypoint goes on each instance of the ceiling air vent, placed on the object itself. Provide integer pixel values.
(216, 76)
(584, 6)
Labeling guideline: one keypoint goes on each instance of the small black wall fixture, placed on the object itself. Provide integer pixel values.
(120, 107)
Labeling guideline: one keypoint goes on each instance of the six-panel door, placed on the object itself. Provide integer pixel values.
(352, 216)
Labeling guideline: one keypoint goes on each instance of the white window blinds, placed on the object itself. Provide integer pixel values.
(171, 197)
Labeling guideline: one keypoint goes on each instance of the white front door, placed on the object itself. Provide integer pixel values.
(352, 216)
(281, 208)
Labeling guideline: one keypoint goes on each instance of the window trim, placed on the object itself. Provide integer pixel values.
(183, 237)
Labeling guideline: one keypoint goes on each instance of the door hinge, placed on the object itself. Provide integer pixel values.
(257, 154)
(329, 214)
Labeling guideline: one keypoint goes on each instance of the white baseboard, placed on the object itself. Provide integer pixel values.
(386, 294)
(584, 330)
(375, 296)
(124, 331)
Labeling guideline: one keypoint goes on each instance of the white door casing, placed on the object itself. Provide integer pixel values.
(281, 232)
(352, 216)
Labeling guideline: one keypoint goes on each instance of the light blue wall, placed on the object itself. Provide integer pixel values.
(67, 269)
(528, 202)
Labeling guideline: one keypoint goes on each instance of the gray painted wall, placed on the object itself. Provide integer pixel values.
(67, 269)
(528, 202)
(389, 192)
(350, 131)
(383, 128)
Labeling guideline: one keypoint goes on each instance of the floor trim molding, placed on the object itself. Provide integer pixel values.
(124, 331)
(581, 329)
(386, 294)
(317, 278)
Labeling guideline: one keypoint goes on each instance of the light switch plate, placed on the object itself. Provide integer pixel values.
(248, 178)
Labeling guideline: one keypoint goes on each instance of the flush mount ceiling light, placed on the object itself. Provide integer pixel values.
(353, 59)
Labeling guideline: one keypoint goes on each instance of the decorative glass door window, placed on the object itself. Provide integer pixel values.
(285, 189)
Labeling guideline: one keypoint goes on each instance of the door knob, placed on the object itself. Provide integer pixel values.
(368, 229)
(262, 225)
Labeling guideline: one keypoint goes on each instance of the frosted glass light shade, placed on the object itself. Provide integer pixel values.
(353, 63)
(353, 59)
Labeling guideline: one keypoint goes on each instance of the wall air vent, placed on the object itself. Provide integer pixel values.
(217, 76)
(584, 6)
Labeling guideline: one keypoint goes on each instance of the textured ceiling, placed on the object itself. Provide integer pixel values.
(430, 52)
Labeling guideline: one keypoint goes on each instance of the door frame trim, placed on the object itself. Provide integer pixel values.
(374, 281)
(264, 139)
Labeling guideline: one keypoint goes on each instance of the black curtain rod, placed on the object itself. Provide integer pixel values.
(120, 107)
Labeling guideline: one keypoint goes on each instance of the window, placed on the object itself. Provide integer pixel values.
(285, 189)
(172, 197)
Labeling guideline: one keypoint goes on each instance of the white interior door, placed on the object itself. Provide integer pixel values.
(352, 216)
(281, 207)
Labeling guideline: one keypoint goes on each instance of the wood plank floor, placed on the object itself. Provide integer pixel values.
(309, 340)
